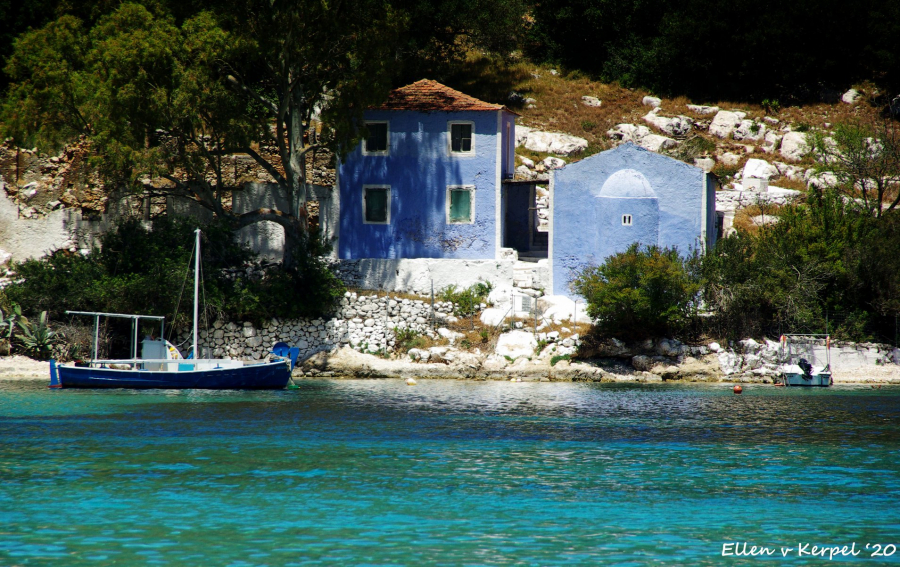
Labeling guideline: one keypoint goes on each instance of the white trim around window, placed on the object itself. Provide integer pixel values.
(471, 150)
(467, 188)
(387, 190)
(387, 137)
(627, 220)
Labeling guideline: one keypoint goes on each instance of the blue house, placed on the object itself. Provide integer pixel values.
(602, 204)
(426, 181)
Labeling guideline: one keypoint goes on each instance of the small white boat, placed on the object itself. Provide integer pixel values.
(806, 360)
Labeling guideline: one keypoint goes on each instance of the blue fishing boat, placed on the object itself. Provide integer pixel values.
(160, 365)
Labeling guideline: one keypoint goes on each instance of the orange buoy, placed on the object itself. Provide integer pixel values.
(738, 389)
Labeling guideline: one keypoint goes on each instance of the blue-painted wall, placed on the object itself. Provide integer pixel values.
(418, 169)
(587, 226)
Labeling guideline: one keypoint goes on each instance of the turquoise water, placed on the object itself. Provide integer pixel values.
(445, 473)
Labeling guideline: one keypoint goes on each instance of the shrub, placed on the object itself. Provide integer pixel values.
(405, 339)
(147, 270)
(556, 358)
(640, 293)
(466, 301)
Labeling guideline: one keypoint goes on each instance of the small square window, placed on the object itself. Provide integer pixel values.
(461, 137)
(459, 205)
(377, 140)
(626, 220)
(376, 205)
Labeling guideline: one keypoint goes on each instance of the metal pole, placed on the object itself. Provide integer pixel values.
(432, 305)
(196, 289)
(134, 329)
(96, 335)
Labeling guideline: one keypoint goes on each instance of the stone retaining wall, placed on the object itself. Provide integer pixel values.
(365, 323)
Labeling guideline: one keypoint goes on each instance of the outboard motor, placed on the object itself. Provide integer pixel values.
(806, 366)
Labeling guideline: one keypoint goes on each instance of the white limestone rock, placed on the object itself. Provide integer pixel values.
(628, 133)
(759, 169)
(730, 362)
(729, 158)
(559, 308)
(771, 142)
(651, 101)
(526, 162)
(703, 110)
(705, 163)
(515, 344)
(677, 126)
(553, 163)
(749, 130)
(657, 143)
(850, 96)
(794, 146)
(492, 316)
(724, 123)
(591, 101)
(550, 142)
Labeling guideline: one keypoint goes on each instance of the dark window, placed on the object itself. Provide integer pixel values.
(376, 203)
(378, 137)
(460, 137)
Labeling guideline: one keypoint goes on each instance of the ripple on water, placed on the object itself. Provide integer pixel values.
(375, 472)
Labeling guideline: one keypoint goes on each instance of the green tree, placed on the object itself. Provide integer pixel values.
(160, 99)
(865, 159)
(640, 293)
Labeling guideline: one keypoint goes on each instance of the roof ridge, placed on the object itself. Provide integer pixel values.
(427, 95)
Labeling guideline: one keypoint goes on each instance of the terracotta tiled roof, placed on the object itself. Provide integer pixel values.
(431, 96)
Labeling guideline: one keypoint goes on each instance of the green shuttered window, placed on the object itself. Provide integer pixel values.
(459, 205)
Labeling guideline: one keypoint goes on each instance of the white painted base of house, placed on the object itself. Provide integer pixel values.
(416, 275)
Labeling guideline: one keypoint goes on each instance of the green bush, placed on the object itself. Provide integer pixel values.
(148, 270)
(466, 301)
(825, 262)
(640, 293)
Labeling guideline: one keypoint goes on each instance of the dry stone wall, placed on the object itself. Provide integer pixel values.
(365, 323)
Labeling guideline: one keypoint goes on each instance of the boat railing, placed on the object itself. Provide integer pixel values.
(140, 363)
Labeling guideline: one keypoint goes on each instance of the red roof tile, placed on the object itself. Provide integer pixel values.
(431, 96)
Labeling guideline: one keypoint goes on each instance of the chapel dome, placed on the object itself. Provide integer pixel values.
(627, 184)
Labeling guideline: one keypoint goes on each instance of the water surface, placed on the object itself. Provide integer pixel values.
(445, 473)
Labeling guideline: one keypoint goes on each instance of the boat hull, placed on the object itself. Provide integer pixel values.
(266, 376)
(822, 379)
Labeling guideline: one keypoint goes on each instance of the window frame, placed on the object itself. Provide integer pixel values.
(629, 219)
(450, 126)
(471, 190)
(365, 189)
(387, 150)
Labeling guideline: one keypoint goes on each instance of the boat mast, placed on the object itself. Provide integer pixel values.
(196, 290)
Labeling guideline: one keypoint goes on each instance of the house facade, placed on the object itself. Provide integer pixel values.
(602, 204)
(426, 180)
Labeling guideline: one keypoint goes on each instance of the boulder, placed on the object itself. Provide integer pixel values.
(656, 143)
(591, 101)
(759, 169)
(729, 158)
(771, 142)
(729, 362)
(750, 131)
(651, 101)
(677, 126)
(515, 344)
(642, 362)
(703, 110)
(526, 162)
(551, 142)
(724, 123)
(559, 308)
(705, 163)
(850, 96)
(794, 146)
(553, 163)
(628, 133)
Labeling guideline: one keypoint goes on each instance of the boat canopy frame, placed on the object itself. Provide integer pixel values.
(135, 327)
